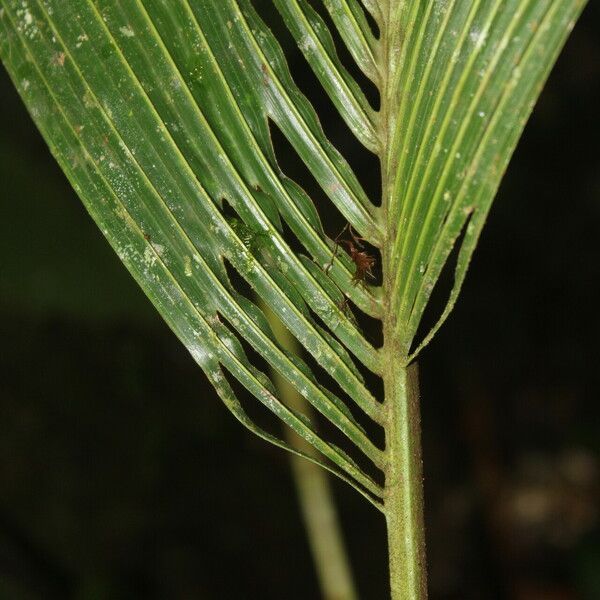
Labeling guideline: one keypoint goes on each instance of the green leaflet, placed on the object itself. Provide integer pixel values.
(316, 43)
(466, 80)
(159, 112)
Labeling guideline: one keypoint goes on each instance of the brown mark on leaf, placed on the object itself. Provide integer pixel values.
(265, 73)
(58, 59)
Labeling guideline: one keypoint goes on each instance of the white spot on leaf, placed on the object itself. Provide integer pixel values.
(187, 266)
(127, 31)
(149, 257)
(478, 38)
(306, 44)
(80, 39)
(158, 248)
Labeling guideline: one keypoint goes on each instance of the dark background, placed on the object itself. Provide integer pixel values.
(123, 476)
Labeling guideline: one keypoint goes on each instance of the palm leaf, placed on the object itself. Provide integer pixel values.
(160, 113)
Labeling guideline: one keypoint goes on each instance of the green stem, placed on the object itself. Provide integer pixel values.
(404, 485)
(403, 502)
(315, 495)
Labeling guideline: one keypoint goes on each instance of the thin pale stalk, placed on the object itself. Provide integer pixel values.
(321, 522)
(315, 495)
(404, 485)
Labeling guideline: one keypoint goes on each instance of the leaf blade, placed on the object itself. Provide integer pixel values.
(480, 51)
(159, 230)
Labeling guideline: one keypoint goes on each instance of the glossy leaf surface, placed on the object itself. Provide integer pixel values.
(160, 112)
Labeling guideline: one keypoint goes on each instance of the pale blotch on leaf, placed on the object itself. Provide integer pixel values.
(187, 266)
(127, 31)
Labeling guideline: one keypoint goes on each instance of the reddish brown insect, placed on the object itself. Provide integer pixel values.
(363, 261)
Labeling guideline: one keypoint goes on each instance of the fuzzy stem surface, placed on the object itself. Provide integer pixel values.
(404, 486)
